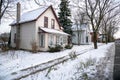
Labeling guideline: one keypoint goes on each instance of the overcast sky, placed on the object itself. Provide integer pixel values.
(4, 27)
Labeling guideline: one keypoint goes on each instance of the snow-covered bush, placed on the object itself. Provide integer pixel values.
(85, 70)
(4, 44)
(72, 55)
(56, 48)
(68, 46)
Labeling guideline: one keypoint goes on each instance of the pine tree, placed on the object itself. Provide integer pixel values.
(64, 16)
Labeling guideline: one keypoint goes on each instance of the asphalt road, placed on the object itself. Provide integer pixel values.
(116, 72)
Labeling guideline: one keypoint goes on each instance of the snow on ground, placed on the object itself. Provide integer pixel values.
(88, 66)
(13, 61)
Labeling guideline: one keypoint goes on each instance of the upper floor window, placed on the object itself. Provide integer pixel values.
(52, 23)
(45, 21)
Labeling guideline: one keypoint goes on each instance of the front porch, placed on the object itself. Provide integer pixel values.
(50, 37)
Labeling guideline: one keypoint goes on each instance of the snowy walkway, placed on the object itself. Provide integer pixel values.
(16, 61)
(92, 65)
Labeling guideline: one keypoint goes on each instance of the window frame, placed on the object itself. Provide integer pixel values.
(87, 39)
(51, 39)
(58, 39)
(45, 21)
(42, 40)
(52, 23)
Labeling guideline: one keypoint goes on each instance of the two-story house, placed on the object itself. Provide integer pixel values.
(81, 34)
(40, 26)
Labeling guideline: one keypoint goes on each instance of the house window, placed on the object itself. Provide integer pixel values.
(57, 40)
(45, 21)
(15, 38)
(52, 23)
(86, 39)
(61, 40)
(42, 39)
(64, 39)
(51, 39)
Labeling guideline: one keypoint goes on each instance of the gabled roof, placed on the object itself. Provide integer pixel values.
(53, 31)
(34, 15)
(78, 27)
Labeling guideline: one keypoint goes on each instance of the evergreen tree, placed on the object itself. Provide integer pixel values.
(64, 16)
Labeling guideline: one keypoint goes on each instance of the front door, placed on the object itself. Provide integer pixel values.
(42, 39)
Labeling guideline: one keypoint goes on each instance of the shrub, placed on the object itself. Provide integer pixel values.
(56, 48)
(68, 46)
(4, 44)
(73, 55)
(4, 48)
(34, 46)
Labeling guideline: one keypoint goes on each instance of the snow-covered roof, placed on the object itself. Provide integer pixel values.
(53, 31)
(78, 27)
(31, 15)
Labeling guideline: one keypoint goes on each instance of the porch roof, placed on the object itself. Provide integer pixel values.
(53, 31)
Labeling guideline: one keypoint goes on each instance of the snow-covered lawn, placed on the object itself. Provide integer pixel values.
(92, 65)
(13, 61)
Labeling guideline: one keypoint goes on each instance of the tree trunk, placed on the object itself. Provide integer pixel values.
(1, 10)
(106, 39)
(95, 40)
(78, 37)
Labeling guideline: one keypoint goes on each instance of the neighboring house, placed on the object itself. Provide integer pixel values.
(40, 26)
(117, 41)
(83, 32)
(101, 38)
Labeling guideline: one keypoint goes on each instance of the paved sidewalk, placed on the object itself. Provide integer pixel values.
(116, 74)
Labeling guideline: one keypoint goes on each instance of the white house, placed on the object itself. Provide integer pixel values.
(40, 26)
(81, 33)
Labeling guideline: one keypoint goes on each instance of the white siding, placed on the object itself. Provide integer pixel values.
(29, 32)
(13, 31)
(27, 35)
(50, 15)
(83, 34)
(40, 23)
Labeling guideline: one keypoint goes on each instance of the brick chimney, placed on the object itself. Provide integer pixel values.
(18, 26)
(18, 12)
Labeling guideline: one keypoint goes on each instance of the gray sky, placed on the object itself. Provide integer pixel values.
(4, 27)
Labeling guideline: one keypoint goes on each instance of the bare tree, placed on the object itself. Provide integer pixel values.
(8, 9)
(110, 24)
(96, 10)
(113, 28)
(54, 3)
(6, 6)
